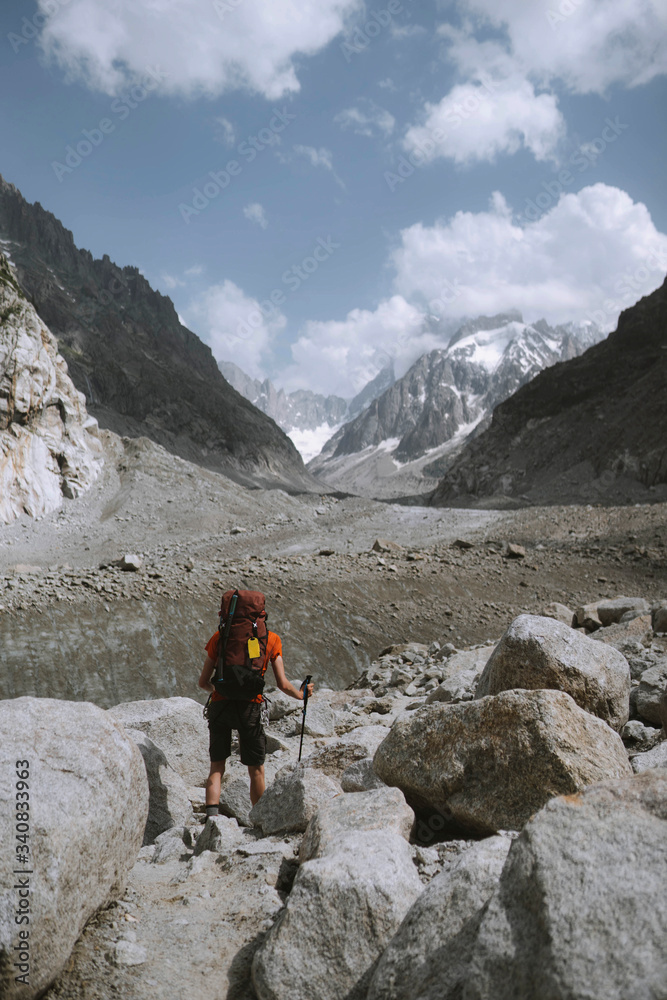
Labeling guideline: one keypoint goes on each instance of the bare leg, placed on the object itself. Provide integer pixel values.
(214, 781)
(257, 783)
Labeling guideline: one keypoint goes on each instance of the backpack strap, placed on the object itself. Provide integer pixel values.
(224, 636)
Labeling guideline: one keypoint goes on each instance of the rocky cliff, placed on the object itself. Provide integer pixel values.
(416, 424)
(49, 447)
(591, 428)
(141, 370)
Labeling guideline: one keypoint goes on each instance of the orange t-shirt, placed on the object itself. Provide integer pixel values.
(274, 649)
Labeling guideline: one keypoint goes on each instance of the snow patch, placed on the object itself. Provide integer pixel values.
(310, 441)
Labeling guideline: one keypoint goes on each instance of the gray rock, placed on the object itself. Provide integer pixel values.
(514, 551)
(612, 611)
(638, 629)
(468, 660)
(428, 957)
(220, 835)
(335, 758)
(538, 653)
(651, 688)
(130, 562)
(587, 617)
(560, 612)
(178, 728)
(169, 802)
(580, 909)
(341, 913)
(383, 810)
(281, 705)
(459, 687)
(488, 765)
(288, 804)
(128, 953)
(657, 757)
(659, 617)
(171, 845)
(320, 721)
(639, 737)
(360, 777)
(235, 801)
(88, 807)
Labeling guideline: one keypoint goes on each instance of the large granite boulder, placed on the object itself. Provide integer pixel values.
(289, 802)
(177, 727)
(169, 802)
(612, 610)
(488, 765)
(580, 912)
(73, 803)
(652, 687)
(343, 910)
(49, 445)
(381, 811)
(340, 754)
(537, 653)
(428, 957)
(360, 777)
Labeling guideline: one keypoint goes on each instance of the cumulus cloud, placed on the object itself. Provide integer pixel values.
(366, 118)
(588, 256)
(480, 120)
(254, 212)
(235, 327)
(203, 47)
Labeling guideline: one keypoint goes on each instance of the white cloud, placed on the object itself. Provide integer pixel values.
(341, 356)
(194, 271)
(321, 157)
(235, 327)
(597, 44)
(480, 120)
(591, 255)
(202, 46)
(225, 131)
(366, 118)
(254, 212)
(170, 281)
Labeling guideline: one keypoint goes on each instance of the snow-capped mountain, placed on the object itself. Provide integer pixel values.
(407, 437)
(308, 418)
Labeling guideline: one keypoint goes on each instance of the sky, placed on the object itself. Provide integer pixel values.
(322, 186)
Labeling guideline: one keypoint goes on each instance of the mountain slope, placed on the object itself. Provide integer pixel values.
(142, 371)
(592, 428)
(416, 425)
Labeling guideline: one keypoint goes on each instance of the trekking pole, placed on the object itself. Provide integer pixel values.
(304, 688)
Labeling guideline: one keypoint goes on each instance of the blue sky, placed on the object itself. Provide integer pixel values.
(405, 173)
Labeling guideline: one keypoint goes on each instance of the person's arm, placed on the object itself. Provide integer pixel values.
(206, 674)
(284, 685)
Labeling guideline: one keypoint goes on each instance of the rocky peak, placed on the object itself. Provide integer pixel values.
(49, 446)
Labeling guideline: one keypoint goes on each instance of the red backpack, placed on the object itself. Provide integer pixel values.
(239, 672)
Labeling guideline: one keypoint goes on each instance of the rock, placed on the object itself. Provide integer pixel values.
(128, 953)
(468, 660)
(177, 727)
(381, 811)
(237, 530)
(169, 802)
(583, 888)
(384, 545)
(651, 689)
(540, 653)
(88, 807)
(624, 634)
(288, 804)
(411, 648)
(458, 687)
(611, 611)
(488, 765)
(639, 737)
(354, 746)
(340, 915)
(360, 777)
(663, 710)
(657, 757)
(281, 705)
(560, 612)
(320, 721)
(49, 445)
(171, 845)
(235, 801)
(220, 835)
(130, 562)
(587, 617)
(429, 955)
(514, 551)
(462, 543)
(659, 617)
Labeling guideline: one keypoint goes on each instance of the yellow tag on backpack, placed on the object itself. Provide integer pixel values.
(253, 648)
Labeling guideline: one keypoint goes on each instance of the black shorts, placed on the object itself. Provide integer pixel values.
(245, 717)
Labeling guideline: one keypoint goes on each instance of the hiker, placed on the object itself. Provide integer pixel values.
(235, 700)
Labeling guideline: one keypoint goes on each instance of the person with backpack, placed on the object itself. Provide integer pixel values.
(237, 657)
